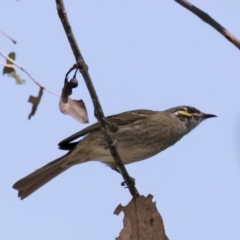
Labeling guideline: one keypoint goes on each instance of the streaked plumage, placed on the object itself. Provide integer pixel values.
(141, 134)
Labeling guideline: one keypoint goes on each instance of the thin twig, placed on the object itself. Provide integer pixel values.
(206, 18)
(97, 106)
(6, 65)
(28, 74)
(14, 41)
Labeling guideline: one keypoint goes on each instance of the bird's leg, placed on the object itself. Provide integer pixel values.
(124, 184)
(114, 145)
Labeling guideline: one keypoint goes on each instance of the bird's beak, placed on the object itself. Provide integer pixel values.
(206, 115)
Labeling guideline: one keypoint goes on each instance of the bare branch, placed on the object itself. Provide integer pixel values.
(28, 74)
(14, 41)
(6, 65)
(206, 18)
(83, 68)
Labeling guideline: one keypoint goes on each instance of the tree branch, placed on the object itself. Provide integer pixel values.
(206, 18)
(14, 41)
(28, 74)
(83, 68)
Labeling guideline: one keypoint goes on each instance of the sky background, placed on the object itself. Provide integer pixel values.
(141, 54)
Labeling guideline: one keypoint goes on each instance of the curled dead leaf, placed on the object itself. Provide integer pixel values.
(35, 102)
(74, 108)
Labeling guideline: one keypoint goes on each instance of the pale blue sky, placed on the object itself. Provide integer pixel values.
(141, 54)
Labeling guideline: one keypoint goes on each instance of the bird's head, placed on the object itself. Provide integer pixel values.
(190, 116)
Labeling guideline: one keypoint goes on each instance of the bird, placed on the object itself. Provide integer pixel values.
(141, 134)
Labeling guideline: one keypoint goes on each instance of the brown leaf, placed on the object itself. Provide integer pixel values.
(35, 102)
(17, 78)
(74, 108)
(141, 220)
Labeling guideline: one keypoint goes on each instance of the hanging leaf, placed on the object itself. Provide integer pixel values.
(74, 108)
(35, 102)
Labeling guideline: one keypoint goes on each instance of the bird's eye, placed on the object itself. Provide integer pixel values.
(189, 110)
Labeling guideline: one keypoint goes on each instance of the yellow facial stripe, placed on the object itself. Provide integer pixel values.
(185, 113)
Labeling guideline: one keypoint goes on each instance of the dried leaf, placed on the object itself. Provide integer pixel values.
(74, 108)
(35, 102)
(17, 78)
(141, 218)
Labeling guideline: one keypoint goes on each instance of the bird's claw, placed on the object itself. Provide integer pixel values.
(114, 144)
(124, 184)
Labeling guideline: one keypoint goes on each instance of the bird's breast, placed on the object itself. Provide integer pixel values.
(138, 141)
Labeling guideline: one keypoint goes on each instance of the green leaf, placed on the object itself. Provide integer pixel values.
(9, 70)
(11, 55)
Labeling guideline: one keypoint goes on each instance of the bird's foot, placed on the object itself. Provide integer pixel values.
(114, 144)
(124, 184)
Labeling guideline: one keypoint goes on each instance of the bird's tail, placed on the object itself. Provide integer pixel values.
(41, 176)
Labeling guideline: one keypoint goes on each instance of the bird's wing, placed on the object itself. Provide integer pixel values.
(119, 119)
